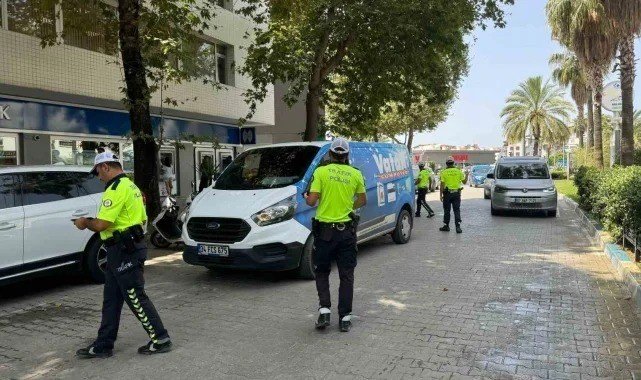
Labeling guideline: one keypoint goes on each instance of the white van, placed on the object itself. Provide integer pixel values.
(255, 216)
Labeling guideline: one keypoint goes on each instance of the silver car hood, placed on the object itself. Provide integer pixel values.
(525, 183)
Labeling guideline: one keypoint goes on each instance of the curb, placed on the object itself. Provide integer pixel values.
(621, 262)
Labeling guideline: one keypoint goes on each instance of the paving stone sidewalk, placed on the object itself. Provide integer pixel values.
(512, 297)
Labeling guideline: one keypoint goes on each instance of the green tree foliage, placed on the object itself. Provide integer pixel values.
(540, 109)
(385, 51)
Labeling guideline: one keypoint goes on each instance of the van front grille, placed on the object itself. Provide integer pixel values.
(217, 230)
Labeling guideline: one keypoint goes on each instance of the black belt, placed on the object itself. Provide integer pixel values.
(109, 242)
(339, 226)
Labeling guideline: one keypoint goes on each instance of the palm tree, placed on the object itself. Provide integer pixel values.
(537, 108)
(626, 18)
(637, 129)
(568, 72)
(583, 27)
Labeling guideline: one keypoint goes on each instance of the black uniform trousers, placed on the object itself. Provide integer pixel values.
(421, 202)
(452, 200)
(339, 246)
(124, 282)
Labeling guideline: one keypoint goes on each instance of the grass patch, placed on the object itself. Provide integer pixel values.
(567, 188)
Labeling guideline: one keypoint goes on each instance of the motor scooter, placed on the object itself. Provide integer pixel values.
(168, 224)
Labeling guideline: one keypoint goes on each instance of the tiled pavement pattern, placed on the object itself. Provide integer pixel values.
(513, 297)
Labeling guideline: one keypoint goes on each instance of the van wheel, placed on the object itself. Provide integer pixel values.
(306, 268)
(403, 231)
(96, 261)
(552, 214)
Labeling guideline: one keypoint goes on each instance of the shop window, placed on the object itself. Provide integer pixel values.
(32, 17)
(79, 152)
(91, 25)
(8, 151)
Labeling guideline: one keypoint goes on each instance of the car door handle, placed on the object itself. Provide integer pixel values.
(6, 226)
(80, 213)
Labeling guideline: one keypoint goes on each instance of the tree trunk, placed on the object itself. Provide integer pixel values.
(145, 148)
(598, 118)
(627, 89)
(535, 148)
(590, 131)
(410, 138)
(580, 133)
(312, 106)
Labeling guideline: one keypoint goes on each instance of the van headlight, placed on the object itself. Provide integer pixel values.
(550, 189)
(279, 212)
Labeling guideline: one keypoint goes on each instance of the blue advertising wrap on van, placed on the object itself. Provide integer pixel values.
(389, 184)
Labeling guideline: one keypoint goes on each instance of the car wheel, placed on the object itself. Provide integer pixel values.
(486, 195)
(494, 211)
(96, 261)
(403, 231)
(552, 214)
(158, 241)
(306, 268)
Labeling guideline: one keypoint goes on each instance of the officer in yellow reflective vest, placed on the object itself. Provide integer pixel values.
(339, 189)
(452, 180)
(422, 187)
(120, 223)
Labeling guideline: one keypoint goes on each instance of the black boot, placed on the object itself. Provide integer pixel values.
(417, 215)
(323, 321)
(445, 228)
(152, 348)
(431, 215)
(345, 323)
(92, 352)
(458, 229)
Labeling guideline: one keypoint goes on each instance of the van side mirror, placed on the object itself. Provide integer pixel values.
(490, 175)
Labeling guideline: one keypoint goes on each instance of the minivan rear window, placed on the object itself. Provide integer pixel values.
(267, 168)
(523, 170)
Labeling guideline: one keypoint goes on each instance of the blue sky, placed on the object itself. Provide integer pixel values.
(499, 60)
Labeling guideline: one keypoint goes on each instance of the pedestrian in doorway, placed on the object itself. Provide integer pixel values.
(452, 180)
(206, 173)
(339, 189)
(168, 176)
(120, 221)
(422, 186)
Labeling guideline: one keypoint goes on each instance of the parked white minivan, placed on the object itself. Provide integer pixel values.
(254, 216)
(37, 204)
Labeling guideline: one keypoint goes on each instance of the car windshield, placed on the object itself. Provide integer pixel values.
(267, 168)
(481, 169)
(523, 170)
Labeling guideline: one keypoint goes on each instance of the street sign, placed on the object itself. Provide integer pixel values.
(612, 98)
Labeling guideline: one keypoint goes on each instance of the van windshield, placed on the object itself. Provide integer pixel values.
(523, 170)
(267, 168)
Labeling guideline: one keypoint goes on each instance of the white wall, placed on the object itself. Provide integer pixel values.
(72, 70)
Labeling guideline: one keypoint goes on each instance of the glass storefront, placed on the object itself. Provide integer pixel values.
(79, 152)
(8, 150)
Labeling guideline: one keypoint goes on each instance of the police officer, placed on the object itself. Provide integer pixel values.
(422, 184)
(335, 187)
(452, 180)
(120, 221)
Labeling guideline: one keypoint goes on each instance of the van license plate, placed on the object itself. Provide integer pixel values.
(525, 200)
(213, 250)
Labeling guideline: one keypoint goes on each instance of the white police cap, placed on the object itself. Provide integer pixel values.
(340, 146)
(101, 158)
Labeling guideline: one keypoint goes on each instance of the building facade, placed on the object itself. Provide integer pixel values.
(58, 104)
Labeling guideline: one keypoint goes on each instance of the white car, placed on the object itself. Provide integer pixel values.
(37, 204)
